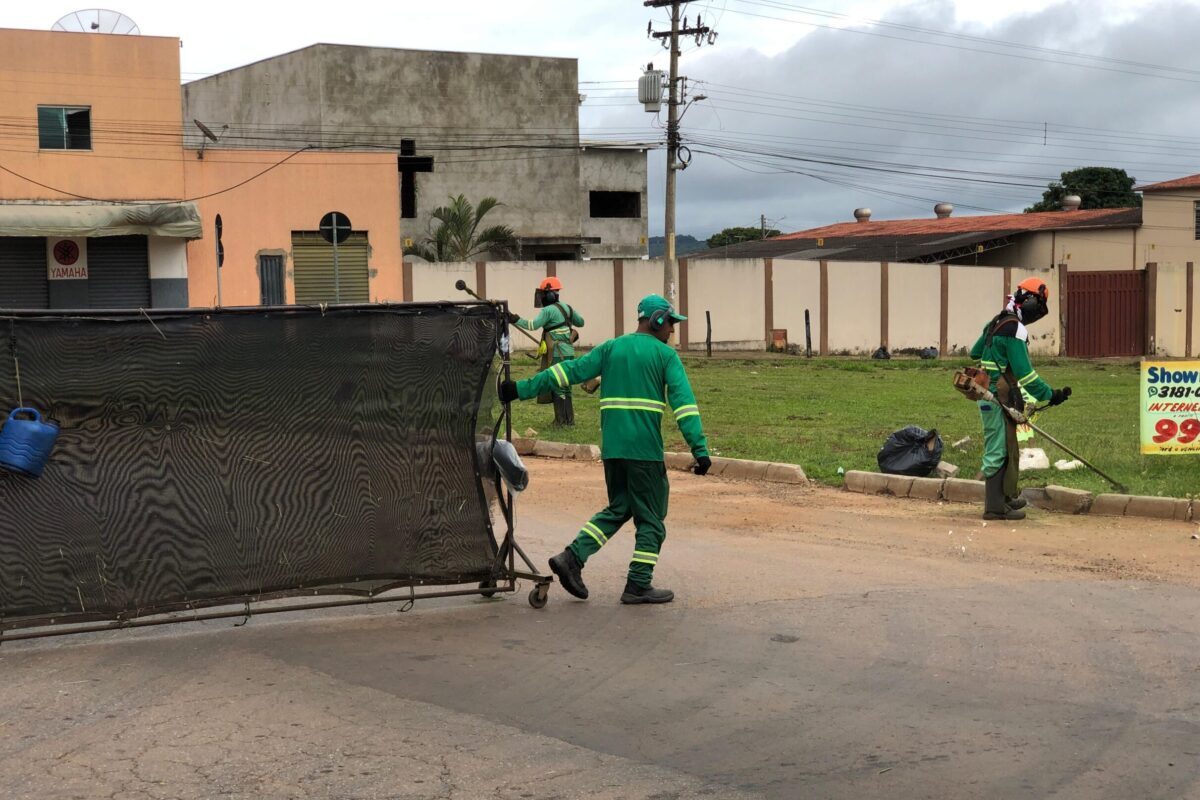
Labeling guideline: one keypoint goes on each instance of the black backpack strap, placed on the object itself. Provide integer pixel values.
(1012, 397)
(566, 318)
(1002, 320)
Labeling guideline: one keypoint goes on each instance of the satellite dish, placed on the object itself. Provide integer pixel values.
(207, 131)
(209, 136)
(97, 20)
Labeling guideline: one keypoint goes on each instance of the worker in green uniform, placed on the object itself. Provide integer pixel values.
(1003, 352)
(643, 379)
(557, 321)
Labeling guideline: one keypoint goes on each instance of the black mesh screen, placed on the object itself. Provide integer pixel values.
(208, 457)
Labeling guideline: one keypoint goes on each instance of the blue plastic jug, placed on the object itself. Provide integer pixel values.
(25, 444)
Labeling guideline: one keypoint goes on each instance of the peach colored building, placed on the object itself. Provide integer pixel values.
(269, 227)
(101, 206)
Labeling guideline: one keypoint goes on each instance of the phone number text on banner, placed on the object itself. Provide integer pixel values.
(1170, 407)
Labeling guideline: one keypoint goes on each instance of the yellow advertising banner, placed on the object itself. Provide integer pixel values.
(1170, 402)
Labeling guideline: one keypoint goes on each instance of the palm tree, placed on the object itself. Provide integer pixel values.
(458, 237)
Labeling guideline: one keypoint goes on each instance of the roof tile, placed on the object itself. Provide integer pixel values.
(1190, 182)
(1043, 220)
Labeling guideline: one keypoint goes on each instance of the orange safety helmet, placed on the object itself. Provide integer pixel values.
(552, 284)
(1032, 298)
(1035, 286)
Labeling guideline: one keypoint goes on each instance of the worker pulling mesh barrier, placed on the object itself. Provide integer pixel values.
(210, 457)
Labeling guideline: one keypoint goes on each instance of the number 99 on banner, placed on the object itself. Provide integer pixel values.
(1166, 430)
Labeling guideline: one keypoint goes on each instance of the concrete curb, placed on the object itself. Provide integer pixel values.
(1051, 498)
(544, 449)
(736, 468)
(742, 469)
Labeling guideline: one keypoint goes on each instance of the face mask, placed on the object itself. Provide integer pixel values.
(1033, 308)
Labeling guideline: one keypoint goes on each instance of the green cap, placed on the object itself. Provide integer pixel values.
(654, 303)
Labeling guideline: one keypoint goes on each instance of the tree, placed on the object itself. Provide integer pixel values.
(1098, 187)
(735, 235)
(457, 236)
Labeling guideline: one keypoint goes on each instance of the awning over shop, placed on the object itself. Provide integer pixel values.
(179, 220)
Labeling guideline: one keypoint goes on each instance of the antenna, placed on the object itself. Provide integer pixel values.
(97, 20)
(208, 136)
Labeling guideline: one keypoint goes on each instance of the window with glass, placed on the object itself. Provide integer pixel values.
(64, 128)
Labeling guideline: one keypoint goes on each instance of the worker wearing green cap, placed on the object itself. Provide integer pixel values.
(642, 380)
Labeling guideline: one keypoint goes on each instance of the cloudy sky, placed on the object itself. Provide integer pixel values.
(814, 107)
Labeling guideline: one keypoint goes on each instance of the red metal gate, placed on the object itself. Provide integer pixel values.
(1106, 314)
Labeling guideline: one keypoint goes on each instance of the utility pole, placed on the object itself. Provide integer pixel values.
(762, 222)
(675, 99)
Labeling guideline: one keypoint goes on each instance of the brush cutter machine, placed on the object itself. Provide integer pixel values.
(973, 383)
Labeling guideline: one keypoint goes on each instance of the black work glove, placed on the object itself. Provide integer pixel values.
(703, 465)
(508, 391)
(1060, 396)
(512, 318)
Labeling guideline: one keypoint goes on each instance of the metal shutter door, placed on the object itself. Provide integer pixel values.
(272, 290)
(312, 268)
(23, 282)
(118, 272)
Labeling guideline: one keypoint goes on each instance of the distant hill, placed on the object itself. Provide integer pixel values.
(683, 245)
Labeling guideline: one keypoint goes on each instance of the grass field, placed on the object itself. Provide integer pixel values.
(827, 413)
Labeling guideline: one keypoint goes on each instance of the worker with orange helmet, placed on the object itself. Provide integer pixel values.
(557, 321)
(1003, 352)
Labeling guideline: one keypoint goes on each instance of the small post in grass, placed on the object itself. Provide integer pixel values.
(708, 338)
(807, 335)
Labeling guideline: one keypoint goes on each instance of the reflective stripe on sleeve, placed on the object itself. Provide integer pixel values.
(1028, 379)
(687, 411)
(560, 376)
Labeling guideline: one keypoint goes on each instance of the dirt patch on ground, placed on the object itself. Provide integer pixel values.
(1106, 547)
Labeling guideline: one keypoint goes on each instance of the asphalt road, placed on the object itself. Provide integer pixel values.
(823, 645)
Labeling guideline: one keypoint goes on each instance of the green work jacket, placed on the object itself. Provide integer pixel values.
(1008, 351)
(642, 379)
(556, 328)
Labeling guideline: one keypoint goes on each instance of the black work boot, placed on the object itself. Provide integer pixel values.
(635, 594)
(570, 573)
(995, 505)
(1015, 503)
(564, 412)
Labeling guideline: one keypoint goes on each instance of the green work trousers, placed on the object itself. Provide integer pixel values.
(1000, 446)
(637, 490)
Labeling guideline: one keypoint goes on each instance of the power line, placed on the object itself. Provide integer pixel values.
(1033, 129)
(237, 185)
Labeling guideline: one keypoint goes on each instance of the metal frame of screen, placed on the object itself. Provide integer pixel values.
(333, 591)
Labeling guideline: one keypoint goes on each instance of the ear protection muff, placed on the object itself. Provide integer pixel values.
(544, 297)
(1033, 306)
(659, 320)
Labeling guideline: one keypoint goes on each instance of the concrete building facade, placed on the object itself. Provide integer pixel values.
(613, 197)
(105, 207)
(86, 218)
(479, 125)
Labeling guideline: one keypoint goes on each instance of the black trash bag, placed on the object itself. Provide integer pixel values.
(929, 352)
(881, 354)
(912, 451)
